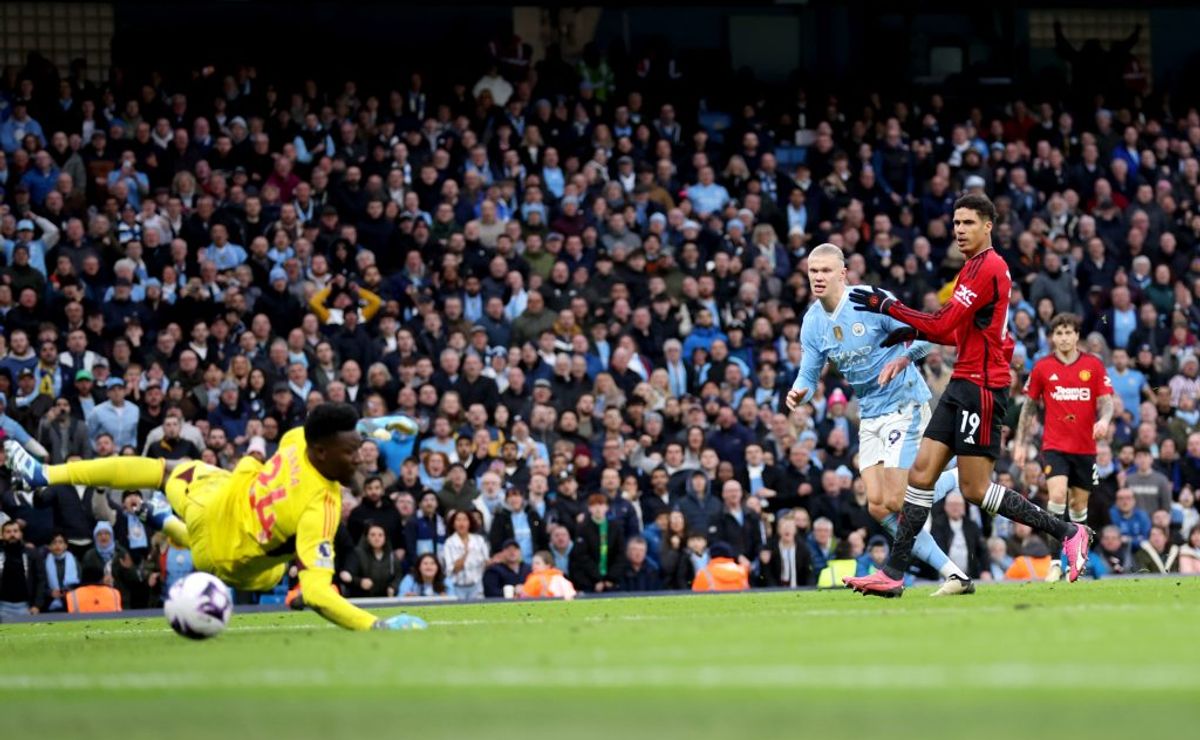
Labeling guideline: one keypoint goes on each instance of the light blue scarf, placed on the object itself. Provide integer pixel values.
(70, 577)
(137, 532)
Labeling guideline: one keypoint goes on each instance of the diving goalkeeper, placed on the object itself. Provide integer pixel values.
(246, 525)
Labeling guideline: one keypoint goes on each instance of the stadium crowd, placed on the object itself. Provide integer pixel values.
(589, 299)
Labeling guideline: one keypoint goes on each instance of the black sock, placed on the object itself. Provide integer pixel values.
(1019, 509)
(912, 521)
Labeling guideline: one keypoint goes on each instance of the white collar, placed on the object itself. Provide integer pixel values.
(845, 296)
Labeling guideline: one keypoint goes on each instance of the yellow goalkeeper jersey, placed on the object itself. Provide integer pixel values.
(291, 505)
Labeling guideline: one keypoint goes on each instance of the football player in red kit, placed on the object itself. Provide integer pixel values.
(1078, 397)
(966, 422)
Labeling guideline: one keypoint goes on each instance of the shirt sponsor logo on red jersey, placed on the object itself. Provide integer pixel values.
(1071, 394)
(965, 295)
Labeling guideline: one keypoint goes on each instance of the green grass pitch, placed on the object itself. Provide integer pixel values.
(1094, 659)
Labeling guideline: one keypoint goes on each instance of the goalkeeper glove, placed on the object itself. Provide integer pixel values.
(872, 300)
(903, 335)
(400, 622)
(381, 428)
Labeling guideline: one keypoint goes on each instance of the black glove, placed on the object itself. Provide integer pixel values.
(903, 335)
(872, 300)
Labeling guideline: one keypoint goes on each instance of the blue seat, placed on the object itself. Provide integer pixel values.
(715, 123)
(788, 156)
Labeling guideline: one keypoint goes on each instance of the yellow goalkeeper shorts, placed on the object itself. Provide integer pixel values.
(207, 498)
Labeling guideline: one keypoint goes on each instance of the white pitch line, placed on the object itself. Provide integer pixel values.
(999, 676)
(17, 633)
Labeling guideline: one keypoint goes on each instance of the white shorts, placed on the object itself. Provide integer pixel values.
(892, 439)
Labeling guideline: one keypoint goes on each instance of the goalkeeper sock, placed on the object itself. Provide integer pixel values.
(1056, 508)
(123, 473)
(1079, 516)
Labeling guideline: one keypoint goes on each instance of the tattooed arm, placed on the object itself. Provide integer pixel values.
(1025, 424)
(1104, 415)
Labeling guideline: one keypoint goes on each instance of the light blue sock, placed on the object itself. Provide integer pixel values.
(890, 523)
(925, 548)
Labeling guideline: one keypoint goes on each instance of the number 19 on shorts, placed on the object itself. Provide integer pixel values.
(968, 426)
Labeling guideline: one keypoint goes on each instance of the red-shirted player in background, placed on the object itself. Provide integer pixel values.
(1077, 394)
(966, 422)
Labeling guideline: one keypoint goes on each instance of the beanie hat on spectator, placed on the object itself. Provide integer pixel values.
(278, 273)
(257, 445)
(837, 397)
(720, 550)
(24, 225)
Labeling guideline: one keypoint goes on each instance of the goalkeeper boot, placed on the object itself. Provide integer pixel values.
(26, 470)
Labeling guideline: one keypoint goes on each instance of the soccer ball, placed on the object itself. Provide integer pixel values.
(198, 606)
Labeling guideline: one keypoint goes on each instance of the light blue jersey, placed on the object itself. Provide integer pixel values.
(850, 340)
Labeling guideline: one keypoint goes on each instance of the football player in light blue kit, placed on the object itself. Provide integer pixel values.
(893, 398)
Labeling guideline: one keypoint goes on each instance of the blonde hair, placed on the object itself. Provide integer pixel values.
(828, 250)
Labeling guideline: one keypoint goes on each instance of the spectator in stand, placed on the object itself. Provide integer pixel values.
(464, 556)
(22, 575)
(639, 573)
(736, 526)
(115, 417)
(599, 548)
(786, 562)
(502, 577)
(1151, 489)
(960, 537)
(372, 568)
(62, 573)
(1132, 522)
(1156, 553)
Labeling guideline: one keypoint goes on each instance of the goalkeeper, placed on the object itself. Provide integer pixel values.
(245, 526)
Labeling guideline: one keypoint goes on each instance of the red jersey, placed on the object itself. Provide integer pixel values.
(975, 320)
(1070, 392)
